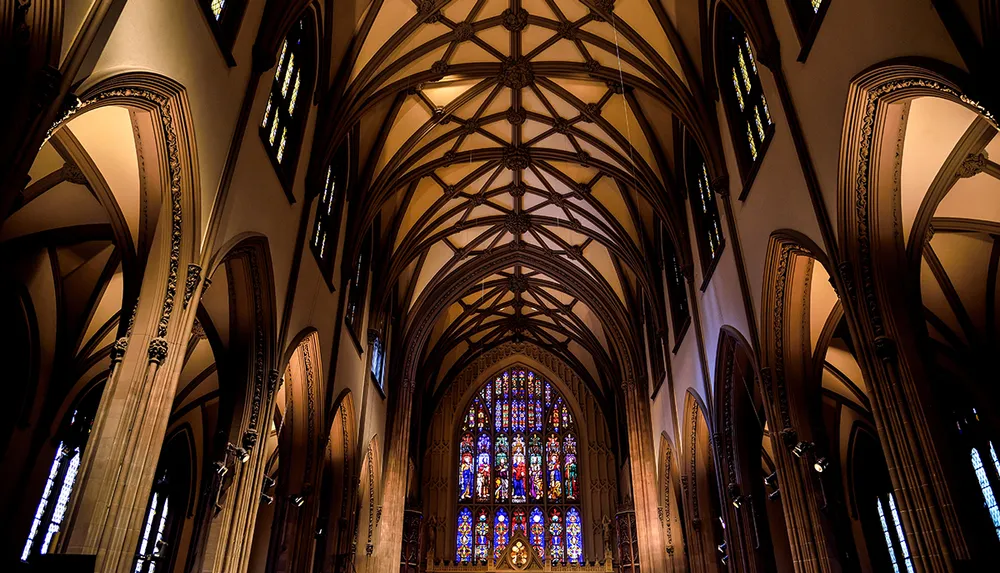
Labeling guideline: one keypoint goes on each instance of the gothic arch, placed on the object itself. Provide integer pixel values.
(702, 510)
(869, 226)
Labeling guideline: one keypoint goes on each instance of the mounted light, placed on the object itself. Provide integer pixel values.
(725, 560)
(240, 454)
(268, 482)
(771, 480)
(738, 501)
(821, 464)
(221, 469)
(801, 449)
(266, 499)
(299, 500)
(721, 548)
(774, 495)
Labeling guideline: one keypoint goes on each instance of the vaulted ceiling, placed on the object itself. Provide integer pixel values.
(487, 127)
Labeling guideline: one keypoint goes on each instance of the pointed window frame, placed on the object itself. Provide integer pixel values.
(224, 18)
(807, 17)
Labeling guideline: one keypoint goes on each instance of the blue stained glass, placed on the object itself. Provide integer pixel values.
(465, 471)
(520, 522)
(569, 466)
(574, 536)
(555, 535)
(899, 532)
(502, 479)
(535, 471)
(519, 467)
(987, 489)
(501, 532)
(483, 469)
(554, 468)
(482, 547)
(536, 532)
(888, 538)
(463, 553)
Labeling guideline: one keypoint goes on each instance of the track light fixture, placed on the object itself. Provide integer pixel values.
(821, 464)
(801, 449)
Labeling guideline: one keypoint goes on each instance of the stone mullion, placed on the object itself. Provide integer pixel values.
(644, 486)
(390, 539)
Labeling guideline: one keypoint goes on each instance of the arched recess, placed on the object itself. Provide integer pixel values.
(671, 514)
(598, 476)
(333, 536)
(703, 515)
(110, 207)
(299, 421)
(756, 530)
(237, 316)
(885, 197)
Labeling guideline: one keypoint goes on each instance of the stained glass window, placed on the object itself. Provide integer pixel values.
(284, 121)
(217, 7)
(676, 286)
(61, 478)
(892, 529)
(378, 362)
(984, 484)
(746, 106)
(704, 210)
(518, 471)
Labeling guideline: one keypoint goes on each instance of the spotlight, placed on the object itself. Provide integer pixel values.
(721, 548)
(239, 453)
(725, 560)
(801, 449)
(774, 495)
(268, 482)
(738, 501)
(221, 469)
(821, 464)
(299, 500)
(266, 499)
(771, 480)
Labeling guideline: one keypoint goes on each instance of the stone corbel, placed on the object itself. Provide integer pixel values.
(191, 283)
(118, 350)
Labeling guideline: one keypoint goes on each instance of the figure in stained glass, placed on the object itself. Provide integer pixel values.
(483, 469)
(519, 470)
(465, 469)
(535, 471)
(554, 467)
(502, 467)
(569, 456)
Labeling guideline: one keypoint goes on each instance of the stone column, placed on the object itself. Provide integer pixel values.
(390, 536)
(652, 552)
(117, 471)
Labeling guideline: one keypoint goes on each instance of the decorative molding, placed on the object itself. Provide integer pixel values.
(157, 350)
(193, 277)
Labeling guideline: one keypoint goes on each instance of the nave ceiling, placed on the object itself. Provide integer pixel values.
(486, 127)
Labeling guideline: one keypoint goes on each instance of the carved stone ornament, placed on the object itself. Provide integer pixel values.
(470, 126)
(516, 73)
(157, 350)
(464, 31)
(593, 66)
(567, 30)
(885, 348)
(193, 276)
(517, 190)
(118, 349)
(72, 174)
(517, 223)
(973, 165)
(249, 440)
(517, 284)
(515, 158)
(560, 125)
(516, 116)
(440, 68)
(514, 20)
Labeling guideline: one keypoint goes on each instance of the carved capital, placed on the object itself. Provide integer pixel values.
(118, 350)
(157, 350)
(846, 271)
(249, 440)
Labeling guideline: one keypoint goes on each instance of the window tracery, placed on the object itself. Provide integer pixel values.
(704, 211)
(518, 472)
(283, 124)
(750, 121)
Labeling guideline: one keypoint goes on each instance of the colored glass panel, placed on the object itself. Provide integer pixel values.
(465, 472)
(502, 467)
(483, 469)
(519, 522)
(217, 7)
(556, 535)
(888, 538)
(519, 482)
(482, 545)
(569, 465)
(536, 532)
(574, 536)
(899, 533)
(535, 470)
(554, 468)
(463, 553)
(501, 532)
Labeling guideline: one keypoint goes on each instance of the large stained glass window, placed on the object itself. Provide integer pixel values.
(518, 472)
(989, 500)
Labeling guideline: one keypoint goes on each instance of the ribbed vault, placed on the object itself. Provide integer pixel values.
(496, 126)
